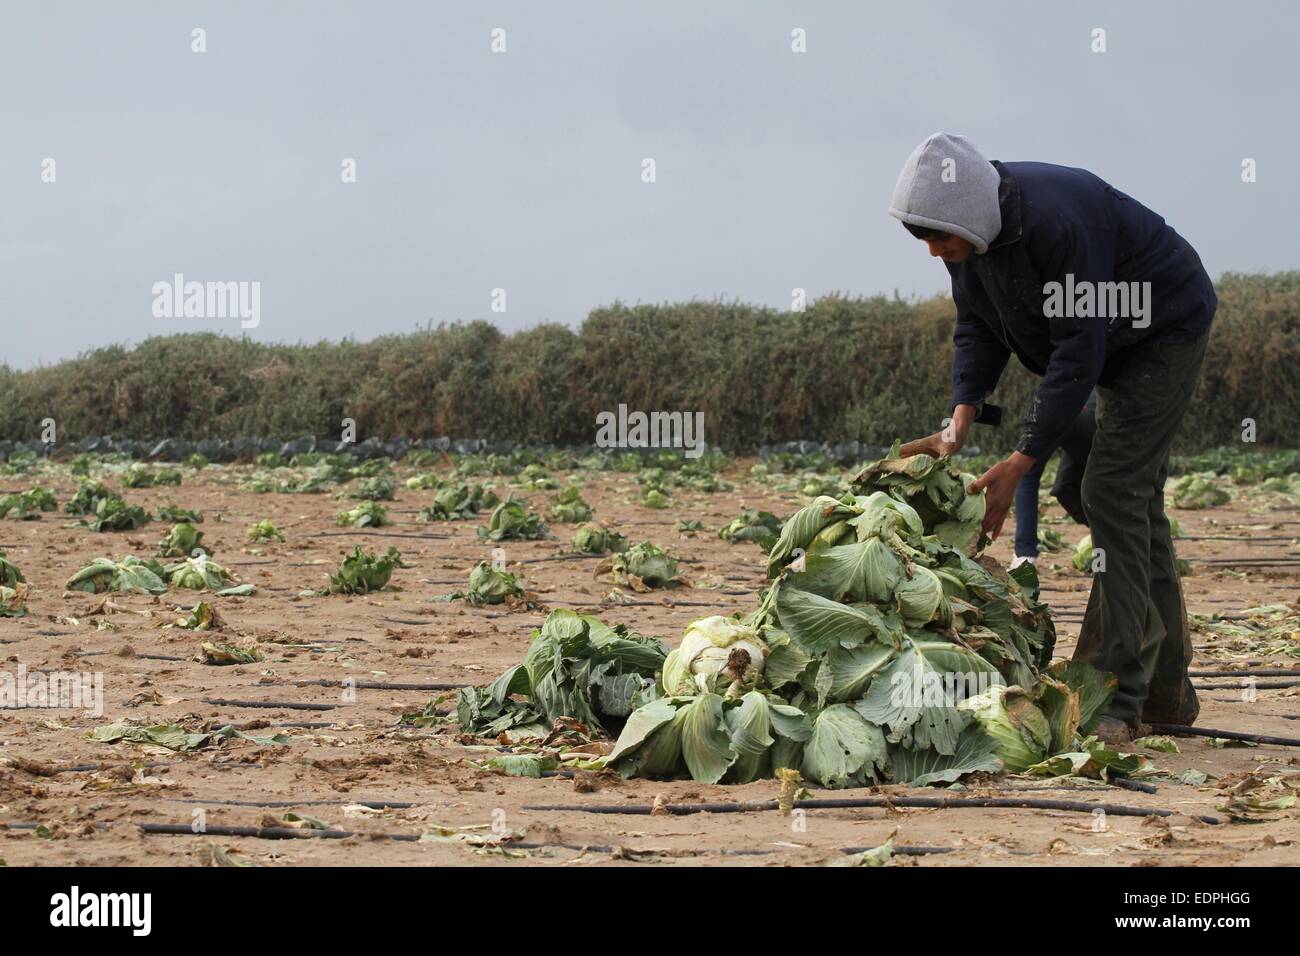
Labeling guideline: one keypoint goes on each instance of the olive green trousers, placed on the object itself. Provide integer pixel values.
(1135, 625)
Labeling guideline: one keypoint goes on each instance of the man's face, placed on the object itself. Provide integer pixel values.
(950, 248)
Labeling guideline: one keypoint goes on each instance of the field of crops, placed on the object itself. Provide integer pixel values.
(280, 688)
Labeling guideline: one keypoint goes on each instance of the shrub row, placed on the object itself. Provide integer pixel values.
(847, 369)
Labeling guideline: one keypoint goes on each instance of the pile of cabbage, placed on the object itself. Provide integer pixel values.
(880, 653)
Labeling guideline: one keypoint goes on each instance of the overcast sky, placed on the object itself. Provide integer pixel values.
(523, 170)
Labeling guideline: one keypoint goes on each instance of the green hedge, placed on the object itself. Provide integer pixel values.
(865, 369)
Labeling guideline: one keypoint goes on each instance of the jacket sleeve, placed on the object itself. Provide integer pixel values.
(1078, 342)
(980, 356)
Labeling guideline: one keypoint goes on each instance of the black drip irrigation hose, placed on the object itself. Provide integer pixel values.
(1257, 685)
(934, 803)
(1135, 785)
(87, 767)
(1120, 782)
(287, 804)
(262, 833)
(1178, 730)
(268, 704)
(1261, 672)
(128, 657)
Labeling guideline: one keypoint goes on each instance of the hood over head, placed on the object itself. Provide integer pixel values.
(947, 184)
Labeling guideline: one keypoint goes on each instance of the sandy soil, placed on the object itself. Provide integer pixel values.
(358, 753)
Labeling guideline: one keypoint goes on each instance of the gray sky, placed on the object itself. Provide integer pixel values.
(522, 170)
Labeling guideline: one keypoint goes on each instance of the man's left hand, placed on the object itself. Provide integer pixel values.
(999, 487)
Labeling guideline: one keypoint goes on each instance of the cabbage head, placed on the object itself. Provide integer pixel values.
(716, 652)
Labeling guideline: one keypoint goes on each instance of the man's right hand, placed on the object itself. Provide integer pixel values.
(946, 442)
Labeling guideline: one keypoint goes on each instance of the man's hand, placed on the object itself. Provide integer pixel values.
(999, 487)
(947, 442)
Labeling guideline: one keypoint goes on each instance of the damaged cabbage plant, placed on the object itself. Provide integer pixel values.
(224, 654)
(642, 568)
(594, 539)
(457, 501)
(762, 527)
(489, 585)
(1083, 555)
(176, 514)
(576, 667)
(1264, 631)
(362, 573)
(511, 521)
(182, 541)
(202, 617)
(263, 531)
(114, 514)
(1049, 539)
(87, 498)
(656, 498)
(368, 514)
(176, 737)
(375, 489)
(127, 573)
(935, 490)
(13, 600)
(105, 510)
(292, 485)
(197, 574)
(9, 573)
(1193, 492)
(140, 475)
(536, 478)
(13, 589)
(881, 653)
(568, 507)
(27, 505)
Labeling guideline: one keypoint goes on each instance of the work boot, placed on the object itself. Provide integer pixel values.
(1113, 732)
(1186, 718)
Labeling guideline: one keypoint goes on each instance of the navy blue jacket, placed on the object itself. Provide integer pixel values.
(1057, 220)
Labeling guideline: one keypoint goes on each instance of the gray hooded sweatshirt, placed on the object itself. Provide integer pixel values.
(946, 184)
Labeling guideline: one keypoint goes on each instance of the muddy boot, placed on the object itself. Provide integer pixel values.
(1113, 732)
